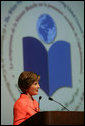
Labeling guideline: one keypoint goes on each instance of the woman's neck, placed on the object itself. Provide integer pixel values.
(29, 96)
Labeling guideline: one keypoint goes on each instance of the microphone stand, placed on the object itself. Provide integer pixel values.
(58, 103)
(39, 102)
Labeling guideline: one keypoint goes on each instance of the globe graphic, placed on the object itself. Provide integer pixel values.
(46, 28)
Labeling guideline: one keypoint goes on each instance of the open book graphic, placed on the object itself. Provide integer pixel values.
(53, 66)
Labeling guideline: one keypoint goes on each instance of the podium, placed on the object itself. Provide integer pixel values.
(56, 118)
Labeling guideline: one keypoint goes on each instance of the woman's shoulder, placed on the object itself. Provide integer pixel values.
(20, 102)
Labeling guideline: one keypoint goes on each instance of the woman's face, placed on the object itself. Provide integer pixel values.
(33, 89)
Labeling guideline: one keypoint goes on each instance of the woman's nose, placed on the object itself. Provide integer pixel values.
(38, 86)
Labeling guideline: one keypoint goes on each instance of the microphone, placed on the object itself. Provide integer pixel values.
(58, 103)
(40, 97)
(39, 102)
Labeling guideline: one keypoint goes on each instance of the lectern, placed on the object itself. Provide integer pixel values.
(56, 118)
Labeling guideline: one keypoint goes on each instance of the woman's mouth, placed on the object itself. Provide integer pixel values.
(37, 90)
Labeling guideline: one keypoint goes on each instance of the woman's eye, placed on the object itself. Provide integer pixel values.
(35, 83)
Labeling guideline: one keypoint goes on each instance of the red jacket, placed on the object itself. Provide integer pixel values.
(23, 109)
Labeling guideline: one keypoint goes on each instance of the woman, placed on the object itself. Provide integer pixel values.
(26, 105)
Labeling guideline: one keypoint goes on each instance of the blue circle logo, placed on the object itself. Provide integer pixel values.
(46, 28)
